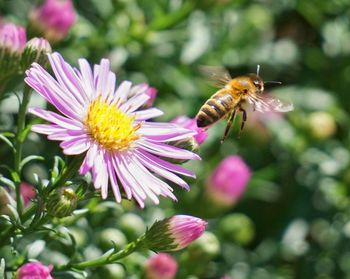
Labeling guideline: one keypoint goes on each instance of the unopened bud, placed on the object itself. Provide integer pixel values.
(36, 50)
(161, 266)
(53, 19)
(174, 233)
(228, 182)
(12, 41)
(322, 125)
(62, 203)
(237, 228)
(34, 270)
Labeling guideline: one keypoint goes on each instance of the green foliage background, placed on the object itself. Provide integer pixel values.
(293, 221)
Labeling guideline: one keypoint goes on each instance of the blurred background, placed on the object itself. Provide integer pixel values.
(290, 216)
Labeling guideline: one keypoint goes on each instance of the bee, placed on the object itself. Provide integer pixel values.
(233, 93)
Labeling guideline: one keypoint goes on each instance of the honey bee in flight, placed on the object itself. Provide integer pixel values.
(234, 92)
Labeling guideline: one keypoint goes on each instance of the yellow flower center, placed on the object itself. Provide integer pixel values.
(110, 127)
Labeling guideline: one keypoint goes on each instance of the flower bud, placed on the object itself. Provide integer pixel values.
(191, 124)
(161, 266)
(322, 125)
(228, 181)
(12, 39)
(174, 233)
(27, 192)
(237, 228)
(205, 248)
(34, 270)
(36, 50)
(53, 19)
(144, 88)
(62, 203)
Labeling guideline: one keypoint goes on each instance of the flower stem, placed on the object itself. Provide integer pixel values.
(68, 172)
(110, 256)
(20, 137)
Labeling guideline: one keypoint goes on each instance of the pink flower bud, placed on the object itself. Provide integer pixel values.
(53, 19)
(191, 123)
(185, 229)
(34, 270)
(161, 266)
(12, 37)
(27, 192)
(174, 233)
(228, 181)
(144, 88)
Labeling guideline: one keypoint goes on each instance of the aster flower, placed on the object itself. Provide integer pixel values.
(174, 233)
(161, 266)
(144, 88)
(34, 270)
(191, 123)
(122, 147)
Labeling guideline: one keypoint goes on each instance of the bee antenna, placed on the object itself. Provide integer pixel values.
(272, 82)
(257, 69)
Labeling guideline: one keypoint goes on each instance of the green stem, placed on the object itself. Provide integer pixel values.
(20, 137)
(68, 172)
(110, 256)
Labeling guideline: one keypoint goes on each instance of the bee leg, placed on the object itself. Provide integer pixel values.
(228, 126)
(244, 115)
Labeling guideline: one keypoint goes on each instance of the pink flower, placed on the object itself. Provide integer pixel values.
(191, 123)
(34, 270)
(228, 181)
(12, 37)
(122, 149)
(174, 233)
(161, 266)
(54, 19)
(144, 88)
(27, 192)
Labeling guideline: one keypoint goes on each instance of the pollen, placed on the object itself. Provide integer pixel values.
(110, 127)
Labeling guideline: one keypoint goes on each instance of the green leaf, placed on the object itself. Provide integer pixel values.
(30, 158)
(7, 182)
(2, 268)
(7, 141)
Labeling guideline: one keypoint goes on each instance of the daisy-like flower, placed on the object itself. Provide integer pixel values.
(122, 148)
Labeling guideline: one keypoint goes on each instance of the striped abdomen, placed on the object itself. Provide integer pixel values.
(218, 106)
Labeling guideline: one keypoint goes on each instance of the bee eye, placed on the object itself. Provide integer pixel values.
(245, 91)
(257, 84)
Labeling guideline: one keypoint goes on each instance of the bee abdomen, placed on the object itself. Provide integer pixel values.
(213, 110)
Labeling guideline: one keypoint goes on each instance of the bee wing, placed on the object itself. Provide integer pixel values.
(218, 76)
(264, 103)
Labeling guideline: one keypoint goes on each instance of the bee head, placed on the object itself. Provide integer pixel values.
(257, 82)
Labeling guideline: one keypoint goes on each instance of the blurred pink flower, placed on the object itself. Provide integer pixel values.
(34, 270)
(12, 37)
(54, 19)
(27, 192)
(161, 266)
(191, 123)
(144, 88)
(228, 181)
